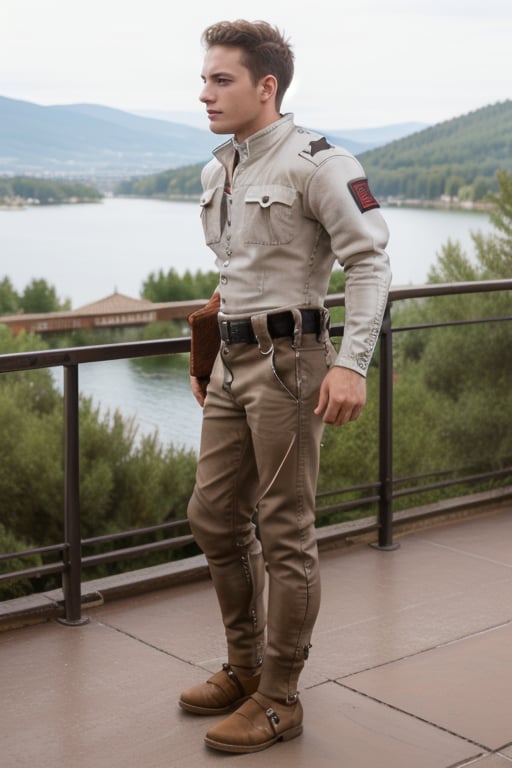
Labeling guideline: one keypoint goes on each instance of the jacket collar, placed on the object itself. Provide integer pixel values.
(255, 145)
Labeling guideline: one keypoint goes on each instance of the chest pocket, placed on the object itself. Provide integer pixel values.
(269, 214)
(210, 202)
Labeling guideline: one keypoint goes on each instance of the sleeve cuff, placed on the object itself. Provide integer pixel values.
(358, 365)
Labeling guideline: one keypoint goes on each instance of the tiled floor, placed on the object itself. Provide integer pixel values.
(411, 667)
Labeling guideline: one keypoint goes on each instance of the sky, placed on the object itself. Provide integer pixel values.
(359, 63)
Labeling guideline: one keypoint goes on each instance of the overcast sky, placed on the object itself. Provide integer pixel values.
(359, 63)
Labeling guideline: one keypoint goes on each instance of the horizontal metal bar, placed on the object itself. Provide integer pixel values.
(142, 549)
(135, 532)
(346, 505)
(455, 481)
(348, 489)
(398, 293)
(35, 551)
(441, 472)
(35, 572)
(450, 323)
(23, 361)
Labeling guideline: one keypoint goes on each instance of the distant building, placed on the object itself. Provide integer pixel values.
(114, 311)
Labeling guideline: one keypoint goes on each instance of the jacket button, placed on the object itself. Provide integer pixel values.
(265, 199)
(223, 279)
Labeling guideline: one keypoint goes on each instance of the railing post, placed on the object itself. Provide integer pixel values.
(385, 513)
(71, 578)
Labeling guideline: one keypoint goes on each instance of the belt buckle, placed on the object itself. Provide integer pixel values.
(225, 331)
(234, 332)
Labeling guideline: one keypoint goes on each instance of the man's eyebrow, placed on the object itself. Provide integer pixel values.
(213, 75)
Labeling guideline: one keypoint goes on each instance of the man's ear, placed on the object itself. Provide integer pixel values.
(268, 87)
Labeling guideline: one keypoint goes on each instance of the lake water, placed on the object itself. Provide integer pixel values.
(89, 251)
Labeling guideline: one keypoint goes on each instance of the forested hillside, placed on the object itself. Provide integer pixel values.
(458, 158)
(22, 189)
(178, 182)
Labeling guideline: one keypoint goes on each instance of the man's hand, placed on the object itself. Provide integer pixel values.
(342, 396)
(198, 387)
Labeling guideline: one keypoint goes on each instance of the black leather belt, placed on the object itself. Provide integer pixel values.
(279, 325)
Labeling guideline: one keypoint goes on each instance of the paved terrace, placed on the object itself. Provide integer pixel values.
(411, 667)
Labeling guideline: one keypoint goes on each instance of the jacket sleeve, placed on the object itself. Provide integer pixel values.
(338, 196)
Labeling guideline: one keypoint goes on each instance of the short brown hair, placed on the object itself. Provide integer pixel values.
(265, 51)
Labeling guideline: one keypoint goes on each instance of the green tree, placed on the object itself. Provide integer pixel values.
(466, 368)
(39, 296)
(171, 287)
(9, 299)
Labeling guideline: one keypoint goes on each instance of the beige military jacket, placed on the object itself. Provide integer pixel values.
(292, 207)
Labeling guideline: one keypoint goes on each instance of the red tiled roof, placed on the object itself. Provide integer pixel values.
(116, 302)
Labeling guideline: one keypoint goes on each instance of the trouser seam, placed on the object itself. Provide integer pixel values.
(299, 516)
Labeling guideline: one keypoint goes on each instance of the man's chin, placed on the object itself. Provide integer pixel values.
(219, 130)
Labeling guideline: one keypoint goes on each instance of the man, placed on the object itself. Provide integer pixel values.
(280, 205)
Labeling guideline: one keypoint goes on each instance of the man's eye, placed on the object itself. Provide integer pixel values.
(223, 80)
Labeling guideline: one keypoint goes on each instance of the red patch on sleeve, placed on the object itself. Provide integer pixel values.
(360, 191)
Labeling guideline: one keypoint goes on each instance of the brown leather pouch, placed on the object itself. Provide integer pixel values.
(204, 338)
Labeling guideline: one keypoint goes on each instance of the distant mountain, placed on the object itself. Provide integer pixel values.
(458, 158)
(97, 141)
(92, 140)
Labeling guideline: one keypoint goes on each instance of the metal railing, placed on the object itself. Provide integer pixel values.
(381, 492)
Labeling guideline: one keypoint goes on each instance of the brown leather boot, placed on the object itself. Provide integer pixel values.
(256, 725)
(221, 693)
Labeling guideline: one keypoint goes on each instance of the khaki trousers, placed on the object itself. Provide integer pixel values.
(260, 452)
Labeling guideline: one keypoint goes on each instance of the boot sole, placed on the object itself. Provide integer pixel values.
(291, 733)
(197, 710)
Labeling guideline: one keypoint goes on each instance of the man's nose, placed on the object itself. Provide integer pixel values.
(205, 94)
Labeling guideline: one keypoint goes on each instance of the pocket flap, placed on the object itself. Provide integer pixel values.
(207, 196)
(270, 194)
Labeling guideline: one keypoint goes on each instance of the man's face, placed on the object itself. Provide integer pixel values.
(233, 102)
